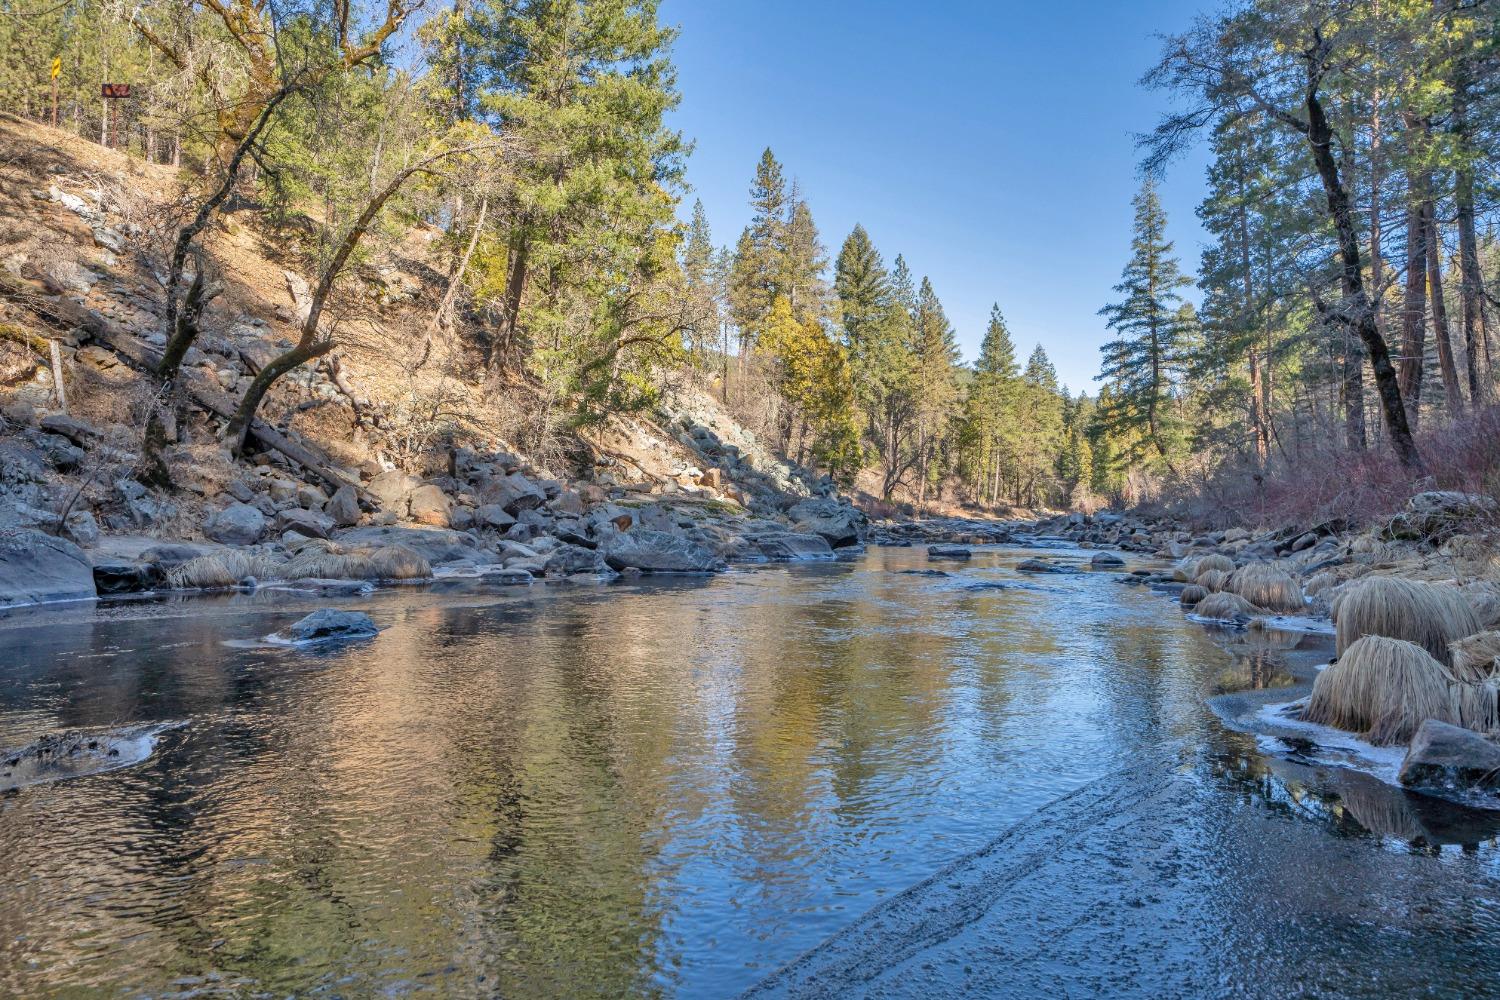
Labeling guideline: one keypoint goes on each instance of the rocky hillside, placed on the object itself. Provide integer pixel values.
(395, 456)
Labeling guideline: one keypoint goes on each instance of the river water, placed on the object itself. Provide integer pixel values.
(679, 787)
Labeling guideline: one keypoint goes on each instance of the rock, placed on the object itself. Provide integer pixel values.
(575, 560)
(1040, 566)
(170, 554)
(653, 551)
(393, 489)
(713, 479)
(430, 505)
(62, 453)
(70, 275)
(311, 497)
(948, 552)
(1305, 542)
(1102, 559)
(1449, 758)
(125, 576)
(492, 515)
(36, 568)
(439, 546)
(237, 524)
(516, 493)
(240, 490)
(129, 489)
(1437, 515)
(329, 625)
(301, 294)
(309, 523)
(81, 528)
(109, 239)
(839, 523)
(792, 547)
(508, 577)
(343, 507)
(567, 503)
(75, 430)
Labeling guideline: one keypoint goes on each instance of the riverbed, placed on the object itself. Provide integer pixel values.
(832, 779)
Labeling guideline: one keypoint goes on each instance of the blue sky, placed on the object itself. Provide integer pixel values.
(990, 143)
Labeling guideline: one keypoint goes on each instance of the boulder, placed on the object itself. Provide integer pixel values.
(343, 507)
(392, 490)
(439, 546)
(237, 524)
(1041, 566)
(70, 427)
(492, 515)
(948, 552)
(81, 528)
(125, 576)
(792, 547)
(516, 493)
(1449, 758)
(1102, 559)
(839, 523)
(430, 505)
(575, 560)
(36, 568)
(328, 625)
(308, 523)
(1437, 515)
(64, 455)
(653, 551)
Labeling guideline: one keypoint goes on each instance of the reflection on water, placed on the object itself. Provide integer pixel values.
(666, 788)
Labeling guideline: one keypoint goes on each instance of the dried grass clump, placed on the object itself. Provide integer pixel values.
(1383, 689)
(387, 562)
(1213, 580)
(1268, 586)
(1476, 658)
(1321, 581)
(1192, 594)
(1216, 560)
(1423, 613)
(1225, 607)
(221, 570)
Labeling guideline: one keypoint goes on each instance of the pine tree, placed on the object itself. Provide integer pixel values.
(760, 266)
(936, 355)
(1140, 363)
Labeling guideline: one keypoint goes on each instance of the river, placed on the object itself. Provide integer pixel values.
(677, 787)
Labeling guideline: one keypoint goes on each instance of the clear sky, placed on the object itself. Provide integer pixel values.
(991, 143)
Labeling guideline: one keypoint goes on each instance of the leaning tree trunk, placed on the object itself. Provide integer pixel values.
(1359, 313)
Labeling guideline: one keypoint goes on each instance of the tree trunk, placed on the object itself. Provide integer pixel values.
(1359, 313)
(1451, 388)
(1414, 303)
(515, 288)
(1476, 337)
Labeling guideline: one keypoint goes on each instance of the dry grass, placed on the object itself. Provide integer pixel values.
(1268, 586)
(1213, 580)
(1192, 594)
(1423, 613)
(221, 570)
(1476, 657)
(387, 562)
(1216, 560)
(1225, 607)
(1383, 689)
(1484, 597)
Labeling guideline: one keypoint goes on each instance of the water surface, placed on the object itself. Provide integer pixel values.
(660, 788)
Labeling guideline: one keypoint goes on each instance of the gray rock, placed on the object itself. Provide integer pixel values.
(125, 576)
(75, 430)
(36, 567)
(1449, 758)
(310, 523)
(1041, 566)
(516, 493)
(81, 528)
(1106, 559)
(343, 507)
(792, 547)
(439, 546)
(839, 523)
(171, 554)
(329, 625)
(948, 552)
(129, 489)
(62, 453)
(237, 524)
(575, 560)
(653, 551)
(492, 515)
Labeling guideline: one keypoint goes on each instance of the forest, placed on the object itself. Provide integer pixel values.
(1331, 346)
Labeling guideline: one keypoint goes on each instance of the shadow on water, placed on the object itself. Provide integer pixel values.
(659, 787)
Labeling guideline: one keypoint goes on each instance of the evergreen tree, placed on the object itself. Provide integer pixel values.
(760, 266)
(1140, 363)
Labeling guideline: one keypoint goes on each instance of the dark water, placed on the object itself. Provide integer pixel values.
(677, 788)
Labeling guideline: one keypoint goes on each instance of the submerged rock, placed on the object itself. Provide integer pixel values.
(1450, 758)
(78, 753)
(1040, 566)
(1106, 559)
(948, 552)
(329, 625)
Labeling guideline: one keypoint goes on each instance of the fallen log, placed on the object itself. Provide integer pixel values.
(64, 313)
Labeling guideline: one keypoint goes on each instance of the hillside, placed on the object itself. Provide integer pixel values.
(399, 426)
